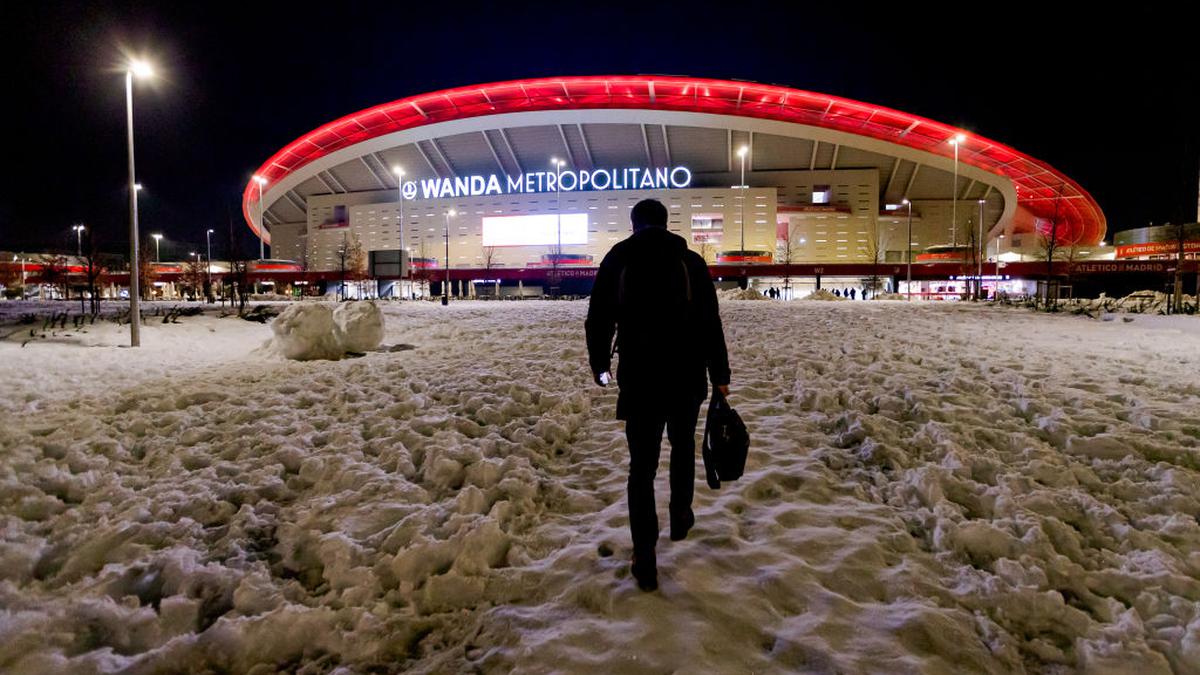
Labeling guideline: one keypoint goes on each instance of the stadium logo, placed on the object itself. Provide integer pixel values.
(632, 178)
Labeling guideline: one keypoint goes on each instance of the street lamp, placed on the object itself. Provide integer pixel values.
(208, 294)
(558, 165)
(999, 243)
(980, 250)
(78, 239)
(157, 256)
(741, 153)
(908, 246)
(956, 141)
(262, 255)
(22, 274)
(399, 171)
(446, 285)
(140, 69)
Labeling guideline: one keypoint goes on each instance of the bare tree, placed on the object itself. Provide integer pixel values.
(1070, 254)
(237, 280)
(788, 248)
(54, 274)
(971, 264)
(356, 261)
(489, 261)
(93, 269)
(146, 271)
(424, 274)
(193, 276)
(877, 243)
(1049, 245)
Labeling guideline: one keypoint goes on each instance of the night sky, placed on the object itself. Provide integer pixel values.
(1110, 99)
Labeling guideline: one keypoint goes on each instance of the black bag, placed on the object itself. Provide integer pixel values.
(726, 443)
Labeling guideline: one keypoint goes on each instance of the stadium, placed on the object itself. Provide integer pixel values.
(527, 181)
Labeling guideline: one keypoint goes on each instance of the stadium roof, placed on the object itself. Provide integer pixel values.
(1042, 191)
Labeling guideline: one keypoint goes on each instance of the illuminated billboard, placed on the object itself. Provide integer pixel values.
(539, 230)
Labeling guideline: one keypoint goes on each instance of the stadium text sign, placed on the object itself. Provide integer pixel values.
(631, 178)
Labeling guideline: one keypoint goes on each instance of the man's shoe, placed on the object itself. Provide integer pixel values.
(646, 574)
(679, 530)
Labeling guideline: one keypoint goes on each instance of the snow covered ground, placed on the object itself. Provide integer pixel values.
(933, 488)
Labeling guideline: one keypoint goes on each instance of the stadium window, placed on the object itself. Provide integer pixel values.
(820, 194)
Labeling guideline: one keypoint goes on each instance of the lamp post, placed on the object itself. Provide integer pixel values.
(908, 246)
(956, 141)
(78, 239)
(446, 285)
(22, 273)
(141, 69)
(157, 252)
(742, 151)
(999, 243)
(558, 165)
(399, 171)
(262, 254)
(980, 250)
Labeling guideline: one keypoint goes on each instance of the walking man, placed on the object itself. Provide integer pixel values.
(657, 297)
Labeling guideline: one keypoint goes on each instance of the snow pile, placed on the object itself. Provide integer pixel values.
(740, 294)
(889, 296)
(306, 331)
(359, 325)
(822, 294)
(311, 330)
(1140, 302)
(1018, 495)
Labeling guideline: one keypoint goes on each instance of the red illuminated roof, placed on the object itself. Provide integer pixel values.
(1042, 191)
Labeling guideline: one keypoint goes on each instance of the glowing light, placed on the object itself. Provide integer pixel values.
(741, 152)
(260, 180)
(141, 69)
(398, 170)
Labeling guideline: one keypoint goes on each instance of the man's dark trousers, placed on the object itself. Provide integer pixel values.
(644, 433)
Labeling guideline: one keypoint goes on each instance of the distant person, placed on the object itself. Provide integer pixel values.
(852, 294)
(837, 292)
(659, 300)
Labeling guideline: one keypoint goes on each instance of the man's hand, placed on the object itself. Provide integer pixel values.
(724, 389)
(602, 378)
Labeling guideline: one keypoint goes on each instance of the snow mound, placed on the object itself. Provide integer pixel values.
(359, 326)
(1139, 302)
(889, 296)
(740, 294)
(822, 294)
(306, 332)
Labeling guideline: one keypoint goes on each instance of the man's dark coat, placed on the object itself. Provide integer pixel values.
(659, 299)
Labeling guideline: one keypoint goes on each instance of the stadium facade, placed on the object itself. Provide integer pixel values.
(543, 172)
(1158, 242)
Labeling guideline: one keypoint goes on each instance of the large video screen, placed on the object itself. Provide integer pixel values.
(539, 230)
